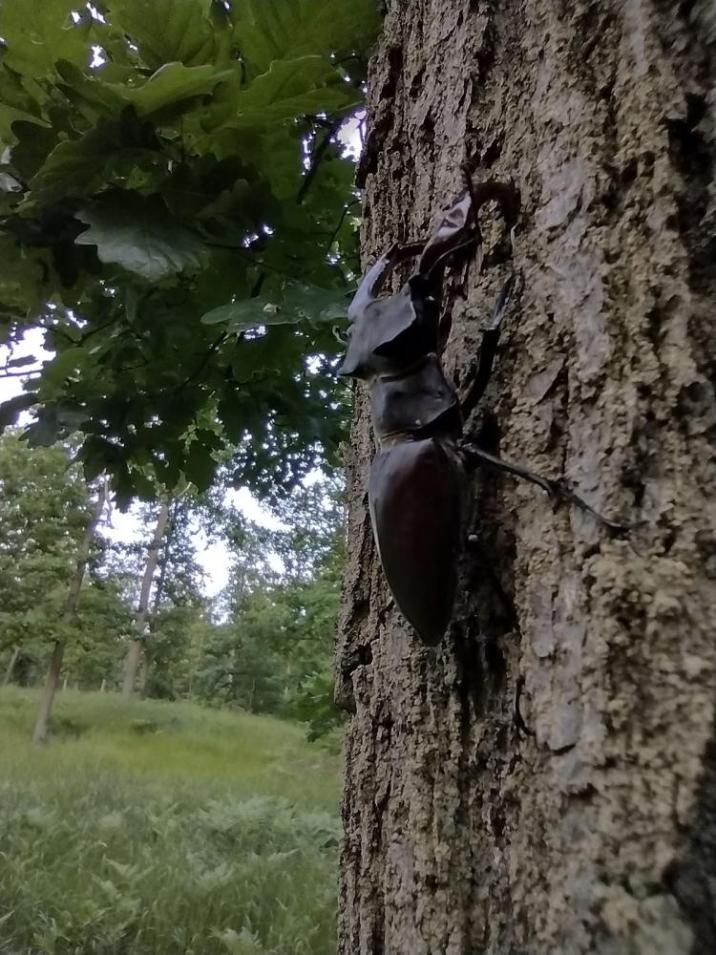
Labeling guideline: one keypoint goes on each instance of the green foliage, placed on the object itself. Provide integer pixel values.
(45, 508)
(239, 667)
(96, 637)
(140, 236)
(204, 833)
(271, 30)
(168, 30)
(290, 304)
(177, 634)
(164, 160)
(313, 704)
(45, 504)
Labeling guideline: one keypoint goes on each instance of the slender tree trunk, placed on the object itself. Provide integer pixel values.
(544, 781)
(52, 681)
(164, 555)
(163, 563)
(69, 610)
(135, 652)
(142, 671)
(11, 665)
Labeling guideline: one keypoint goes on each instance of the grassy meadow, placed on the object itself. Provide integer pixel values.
(156, 828)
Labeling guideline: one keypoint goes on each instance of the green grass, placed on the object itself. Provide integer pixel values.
(152, 828)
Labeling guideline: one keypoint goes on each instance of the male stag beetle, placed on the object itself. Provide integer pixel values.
(418, 488)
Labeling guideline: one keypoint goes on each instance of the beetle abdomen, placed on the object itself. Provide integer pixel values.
(416, 495)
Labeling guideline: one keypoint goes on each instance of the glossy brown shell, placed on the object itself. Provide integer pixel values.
(416, 495)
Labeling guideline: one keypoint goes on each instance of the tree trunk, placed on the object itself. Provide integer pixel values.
(144, 664)
(164, 554)
(11, 666)
(72, 603)
(545, 780)
(52, 681)
(135, 653)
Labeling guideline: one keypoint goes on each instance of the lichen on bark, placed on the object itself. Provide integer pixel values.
(545, 780)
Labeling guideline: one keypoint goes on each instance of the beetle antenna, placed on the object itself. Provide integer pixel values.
(488, 349)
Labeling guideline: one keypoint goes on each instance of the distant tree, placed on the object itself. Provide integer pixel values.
(93, 656)
(66, 623)
(180, 618)
(310, 644)
(11, 664)
(52, 596)
(44, 508)
(135, 651)
(281, 609)
(173, 610)
(240, 666)
(179, 634)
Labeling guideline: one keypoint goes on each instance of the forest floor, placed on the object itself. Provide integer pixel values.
(157, 828)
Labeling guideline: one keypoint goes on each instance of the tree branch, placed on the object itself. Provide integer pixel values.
(318, 154)
(342, 219)
(203, 363)
(4, 373)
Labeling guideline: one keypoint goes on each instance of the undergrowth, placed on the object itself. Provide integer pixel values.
(149, 828)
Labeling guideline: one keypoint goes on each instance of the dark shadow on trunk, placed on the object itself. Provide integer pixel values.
(692, 876)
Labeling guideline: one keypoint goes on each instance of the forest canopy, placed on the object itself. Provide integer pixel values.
(177, 218)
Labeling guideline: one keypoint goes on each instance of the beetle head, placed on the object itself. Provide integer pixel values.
(389, 334)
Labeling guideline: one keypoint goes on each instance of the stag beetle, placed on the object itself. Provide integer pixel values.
(418, 487)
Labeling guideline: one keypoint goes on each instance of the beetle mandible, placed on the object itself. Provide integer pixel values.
(418, 487)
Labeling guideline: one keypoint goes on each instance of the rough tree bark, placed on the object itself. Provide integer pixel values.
(135, 653)
(52, 681)
(545, 780)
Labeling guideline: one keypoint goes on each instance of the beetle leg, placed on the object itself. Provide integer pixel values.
(339, 336)
(449, 235)
(505, 194)
(468, 243)
(488, 349)
(557, 488)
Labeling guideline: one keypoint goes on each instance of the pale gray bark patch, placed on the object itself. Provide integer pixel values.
(545, 780)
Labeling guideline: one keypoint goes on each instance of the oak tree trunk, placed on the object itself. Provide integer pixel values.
(52, 681)
(545, 780)
(134, 662)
